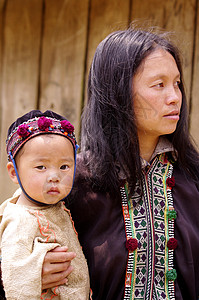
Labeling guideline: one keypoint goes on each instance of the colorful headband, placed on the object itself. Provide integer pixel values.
(36, 126)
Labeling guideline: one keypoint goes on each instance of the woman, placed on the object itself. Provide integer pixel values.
(136, 201)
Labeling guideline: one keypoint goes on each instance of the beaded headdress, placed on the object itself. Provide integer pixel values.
(37, 123)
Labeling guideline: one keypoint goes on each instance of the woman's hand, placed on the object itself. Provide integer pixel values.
(56, 267)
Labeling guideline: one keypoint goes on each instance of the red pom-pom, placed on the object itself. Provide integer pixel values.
(44, 123)
(23, 131)
(170, 181)
(131, 244)
(67, 126)
(172, 243)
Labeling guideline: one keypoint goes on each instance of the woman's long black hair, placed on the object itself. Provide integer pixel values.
(109, 138)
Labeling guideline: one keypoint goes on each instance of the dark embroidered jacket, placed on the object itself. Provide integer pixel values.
(100, 224)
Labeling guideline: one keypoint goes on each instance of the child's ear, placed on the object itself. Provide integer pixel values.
(11, 172)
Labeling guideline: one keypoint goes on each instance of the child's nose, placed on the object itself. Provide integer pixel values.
(53, 177)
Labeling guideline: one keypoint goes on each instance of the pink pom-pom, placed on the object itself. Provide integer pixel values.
(67, 126)
(44, 123)
(23, 131)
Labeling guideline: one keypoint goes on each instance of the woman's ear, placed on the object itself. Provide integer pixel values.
(11, 172)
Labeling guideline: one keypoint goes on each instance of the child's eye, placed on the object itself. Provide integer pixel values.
(40, 167)
(64, 167)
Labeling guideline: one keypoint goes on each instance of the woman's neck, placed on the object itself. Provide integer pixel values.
(147, 146)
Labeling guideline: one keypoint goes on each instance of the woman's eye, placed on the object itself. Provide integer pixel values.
(64, 167)
(40, 167)
(160, 84)
(177, 83)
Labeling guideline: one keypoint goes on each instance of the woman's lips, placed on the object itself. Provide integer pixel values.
(173, 115)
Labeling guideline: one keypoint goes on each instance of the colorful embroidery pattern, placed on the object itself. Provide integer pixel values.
(130, 233)
(52, 296)
(44, 228)
(150, 215)
(49, 236)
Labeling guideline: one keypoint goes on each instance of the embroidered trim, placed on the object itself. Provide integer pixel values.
(170, 215)
(47, 233)
(68, 212)
(36, 126)
(132, 255)
(45, 293)
(149, 218)
(44, 228)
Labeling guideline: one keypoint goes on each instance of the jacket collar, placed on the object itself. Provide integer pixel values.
(163, 146)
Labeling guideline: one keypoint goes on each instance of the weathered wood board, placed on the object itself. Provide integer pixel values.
(20, 68)
(105, 17)
(2, 2)
(63, 58)
(194, 124)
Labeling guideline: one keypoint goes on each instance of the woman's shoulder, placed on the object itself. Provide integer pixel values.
(186, 192)
(184, 178)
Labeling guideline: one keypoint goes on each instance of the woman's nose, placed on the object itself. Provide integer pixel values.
(174, 95)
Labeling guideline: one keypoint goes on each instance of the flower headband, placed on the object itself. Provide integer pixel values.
(36, 126)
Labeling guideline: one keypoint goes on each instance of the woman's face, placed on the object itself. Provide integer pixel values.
(157, 98)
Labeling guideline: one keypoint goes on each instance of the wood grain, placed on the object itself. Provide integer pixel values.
(194, 124)
(175, 16)
(63, 55)
(2, 3)
(105, 17)
(20, 69)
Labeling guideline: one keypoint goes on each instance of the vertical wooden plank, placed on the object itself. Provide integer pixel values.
(22, 29)
(105, 17)
(2, 3)
(175, 16)
(194, 124)
(63, 55)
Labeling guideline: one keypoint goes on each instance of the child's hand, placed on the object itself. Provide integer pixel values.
(56, 267)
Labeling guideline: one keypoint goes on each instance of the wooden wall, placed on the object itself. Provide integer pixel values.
(46, 47)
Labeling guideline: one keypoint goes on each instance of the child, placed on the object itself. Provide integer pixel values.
(41, 151)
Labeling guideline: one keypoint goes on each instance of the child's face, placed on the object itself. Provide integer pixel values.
(46, 167)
